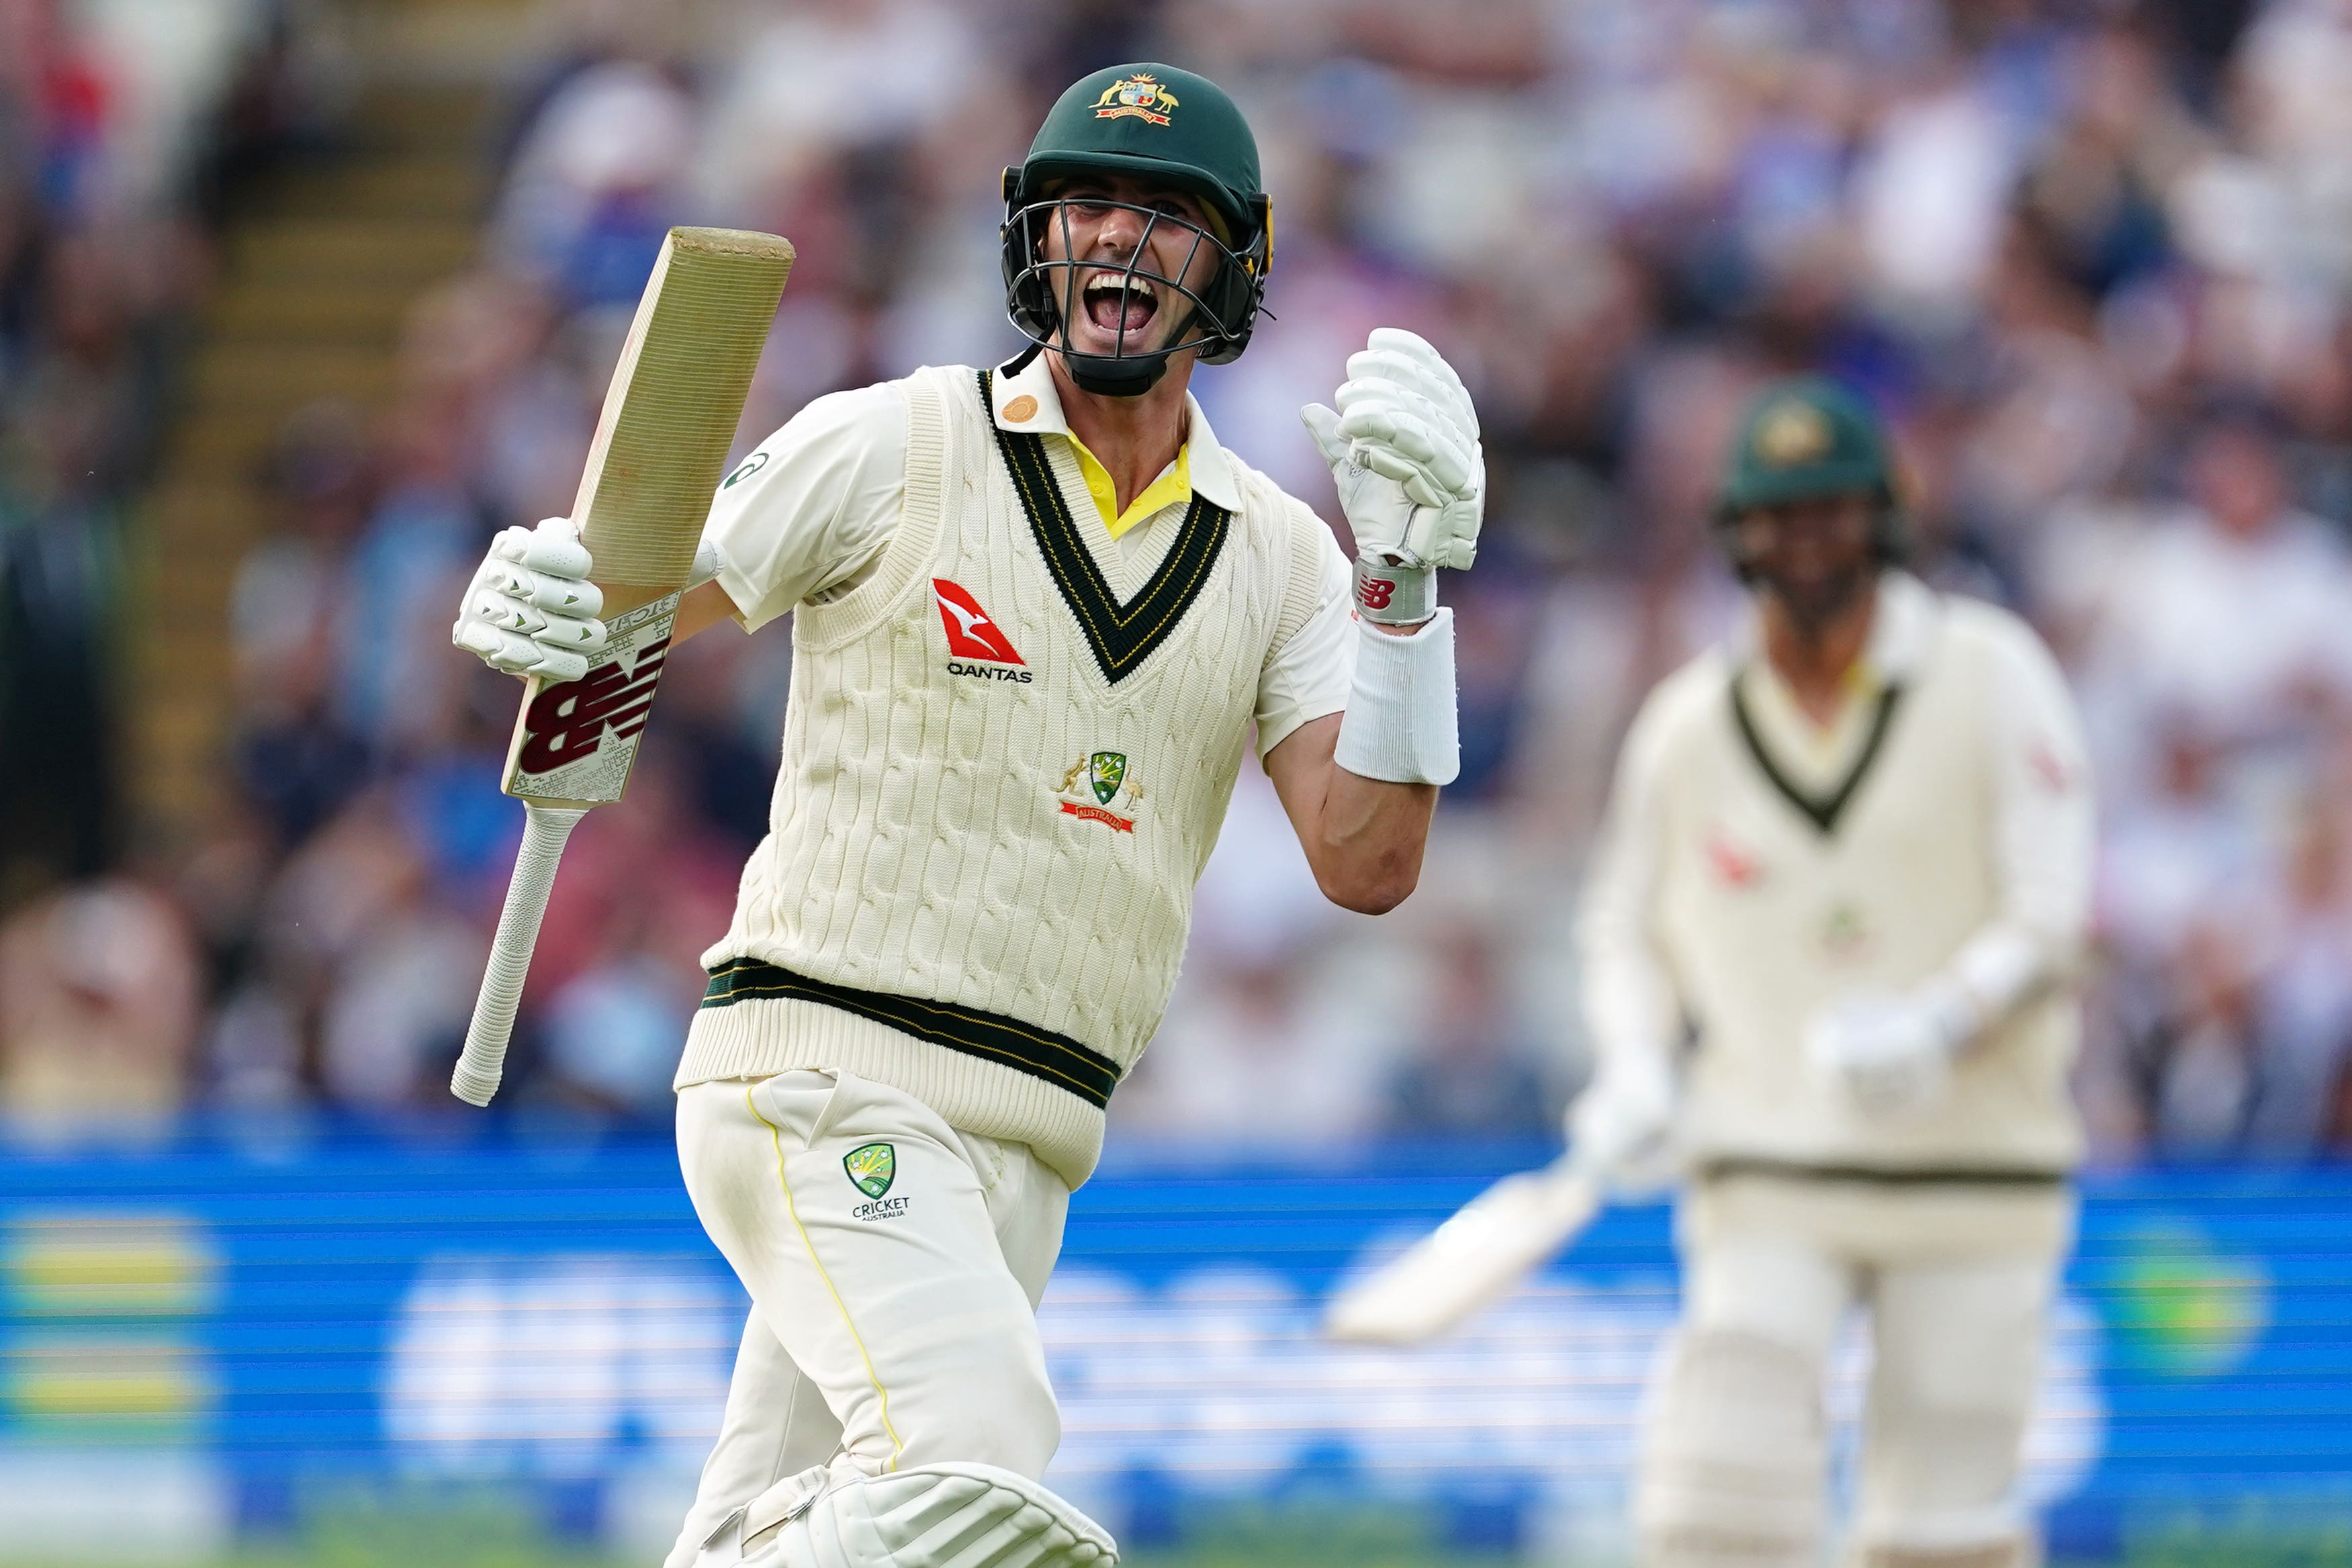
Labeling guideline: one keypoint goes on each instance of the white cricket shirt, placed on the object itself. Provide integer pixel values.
(806, 515)
(1756, 868)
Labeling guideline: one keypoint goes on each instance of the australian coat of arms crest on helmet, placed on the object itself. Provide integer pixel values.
(1103, 775)
(1793, 433)
(1139, 96)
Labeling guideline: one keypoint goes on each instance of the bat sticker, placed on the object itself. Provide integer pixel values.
(579, 737)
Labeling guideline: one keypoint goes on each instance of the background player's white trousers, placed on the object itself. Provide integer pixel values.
(888, 1329)
(1957, 1285)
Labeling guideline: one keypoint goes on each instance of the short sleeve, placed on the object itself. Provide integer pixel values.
(813, 505)
(1307, 674)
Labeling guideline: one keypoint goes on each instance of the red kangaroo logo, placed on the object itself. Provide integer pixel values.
(970, 633)
(567, 722)
(1732, 866)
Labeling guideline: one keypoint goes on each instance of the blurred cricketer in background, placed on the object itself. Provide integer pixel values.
(1847, 863)
(1035, 612)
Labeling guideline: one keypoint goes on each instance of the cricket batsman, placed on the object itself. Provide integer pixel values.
(1036, 609)
(1827, 947)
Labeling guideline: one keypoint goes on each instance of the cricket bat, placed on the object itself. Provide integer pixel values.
(1471, 1261)
(668, 420)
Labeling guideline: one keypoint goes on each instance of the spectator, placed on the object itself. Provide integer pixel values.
(99, 997)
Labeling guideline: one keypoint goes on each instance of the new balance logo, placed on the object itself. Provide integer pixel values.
(567, 722)
(973, 635)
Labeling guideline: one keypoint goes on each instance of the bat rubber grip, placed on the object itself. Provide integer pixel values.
(544, 830)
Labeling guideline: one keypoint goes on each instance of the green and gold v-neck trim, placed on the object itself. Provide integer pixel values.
(1822, 811)
(1121, 635)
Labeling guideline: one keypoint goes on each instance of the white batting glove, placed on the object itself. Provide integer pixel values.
(1621, 1129)
(1893, 1055)
(530, 608)
(1404, 450)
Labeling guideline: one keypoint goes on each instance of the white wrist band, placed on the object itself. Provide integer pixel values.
(1399, 726)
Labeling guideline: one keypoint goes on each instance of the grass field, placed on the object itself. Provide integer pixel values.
(486, 1535)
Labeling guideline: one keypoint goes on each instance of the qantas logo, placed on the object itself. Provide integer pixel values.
(1733, 866)
(567, 721)
(973, 635)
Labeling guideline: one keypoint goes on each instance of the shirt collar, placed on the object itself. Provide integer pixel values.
(1902, 631)
(1214, 479)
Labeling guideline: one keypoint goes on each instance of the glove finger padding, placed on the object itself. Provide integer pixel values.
(1421, 440)
(492, 608)
(1421, 488)
(1357, 397)
(1443, 392)
(527, 613)
(529, 609)
(572, 600)
(517, 655)
(1323, 426)
(553, 548)
(1420, 351)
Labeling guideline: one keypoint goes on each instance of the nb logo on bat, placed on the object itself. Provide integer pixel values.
(568, 722)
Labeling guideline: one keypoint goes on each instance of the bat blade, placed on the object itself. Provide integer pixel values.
(1467, 1264)
(668, 420)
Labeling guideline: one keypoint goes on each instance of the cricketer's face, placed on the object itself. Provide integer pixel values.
(1815, 556)
(1104, 224)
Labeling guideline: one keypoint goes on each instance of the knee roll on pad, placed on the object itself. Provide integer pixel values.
(1989, 1537)
(1733, 1469)
(2015, 1551)
(937, 1516)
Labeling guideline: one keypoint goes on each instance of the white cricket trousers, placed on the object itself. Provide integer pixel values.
(894, 1265)
(1957, 1281)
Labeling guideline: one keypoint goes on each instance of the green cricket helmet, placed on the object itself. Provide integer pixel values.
(1808, 438)
(1155, 123)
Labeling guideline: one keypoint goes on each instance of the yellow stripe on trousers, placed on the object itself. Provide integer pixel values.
(776, 1137)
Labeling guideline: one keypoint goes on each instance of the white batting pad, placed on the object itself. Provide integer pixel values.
(937, 1516)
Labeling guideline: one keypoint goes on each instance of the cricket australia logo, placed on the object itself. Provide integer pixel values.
(1139, 96)
(1104, 777)
(872, 1168)
(977, 645)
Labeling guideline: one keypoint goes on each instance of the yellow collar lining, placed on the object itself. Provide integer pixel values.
(1175, 485)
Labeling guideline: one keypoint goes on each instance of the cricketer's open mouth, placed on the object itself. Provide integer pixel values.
(1119, 305)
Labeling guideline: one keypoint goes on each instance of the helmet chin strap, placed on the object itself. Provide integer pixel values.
(1126, 375)
(1116, 375)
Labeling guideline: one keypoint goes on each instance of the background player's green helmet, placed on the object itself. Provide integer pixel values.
(1807, 438)
(1156, 123)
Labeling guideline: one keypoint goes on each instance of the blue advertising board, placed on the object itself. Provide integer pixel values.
(233, 1322)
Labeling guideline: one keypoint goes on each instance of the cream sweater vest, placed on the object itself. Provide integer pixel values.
(1763, 916)
(978, 875)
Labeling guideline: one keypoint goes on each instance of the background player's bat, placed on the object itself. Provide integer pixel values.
(668, 420)
(1470, 1260)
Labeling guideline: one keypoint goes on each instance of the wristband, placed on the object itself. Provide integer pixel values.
(1395, 595)
(1399, 726)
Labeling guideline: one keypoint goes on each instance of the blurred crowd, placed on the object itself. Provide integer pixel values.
(2092, 259)
(124, 128)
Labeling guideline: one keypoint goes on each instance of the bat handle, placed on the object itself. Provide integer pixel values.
(544, 830)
